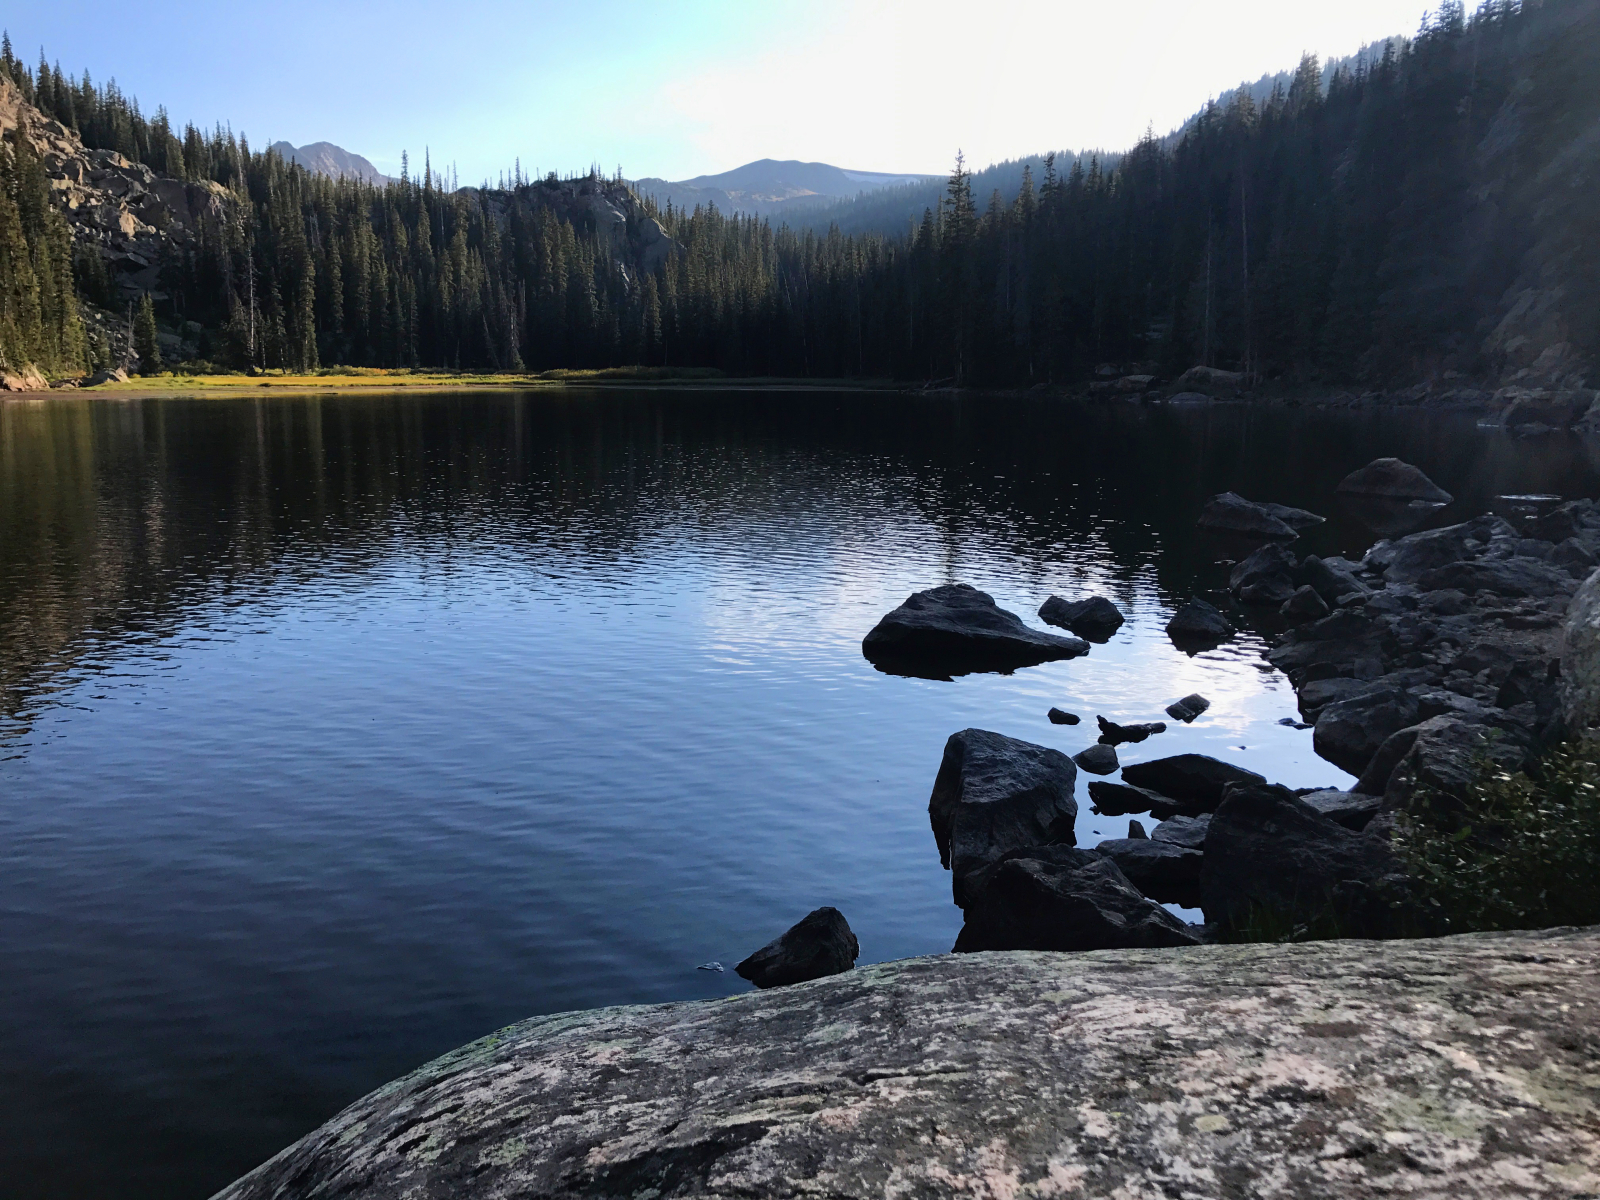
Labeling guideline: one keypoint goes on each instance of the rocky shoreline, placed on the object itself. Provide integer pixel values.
(1459, 1067)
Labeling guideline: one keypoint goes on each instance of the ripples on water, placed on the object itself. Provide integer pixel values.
(335, 732)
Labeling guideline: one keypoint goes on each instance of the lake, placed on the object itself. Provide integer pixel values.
(336, 731)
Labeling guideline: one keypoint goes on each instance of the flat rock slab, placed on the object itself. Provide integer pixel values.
(1458, 1067)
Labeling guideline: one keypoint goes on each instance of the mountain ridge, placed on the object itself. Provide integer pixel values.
(325, 158)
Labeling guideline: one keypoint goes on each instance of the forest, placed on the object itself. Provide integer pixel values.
(1367, 226)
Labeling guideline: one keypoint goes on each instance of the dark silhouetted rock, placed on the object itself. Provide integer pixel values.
(1318, 694)
(1198, 626)
(1349, 732)
(1165, 871)
(1111, 799)
(1112, 734)
(1510, 577)
(1098, 759)
(1443, 757)
(1095, 618)
(1353, 810)
(1264, 577)
(1269, 855)
(1233, 514)
(1305, 605)
(1187, 709)
(1057, 898)
(1408, 559)
(1136, 830)
(1330, 578)
(820, 944)
(956, 629)
(1194, 780)
(1188, 832)
(1563, 522)
(1059, 716)
(1295, 518)
(994, 794)
(1391, 479)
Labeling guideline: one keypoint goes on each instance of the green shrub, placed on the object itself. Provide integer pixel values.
(1520, 851)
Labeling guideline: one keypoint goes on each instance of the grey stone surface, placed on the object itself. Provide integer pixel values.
(1455, 1068)
(1580, 657)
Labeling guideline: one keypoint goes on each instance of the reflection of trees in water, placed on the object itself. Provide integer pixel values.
(118, 517)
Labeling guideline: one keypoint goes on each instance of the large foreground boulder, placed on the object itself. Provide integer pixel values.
(1272, 860)
(956, 630)
(1059, 898)
(1449, 1067)
(994, 794)
(820, 944)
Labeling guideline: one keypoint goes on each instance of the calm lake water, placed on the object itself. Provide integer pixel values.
(336, 731)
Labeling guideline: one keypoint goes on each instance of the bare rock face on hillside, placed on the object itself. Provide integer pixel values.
(1456, 1066)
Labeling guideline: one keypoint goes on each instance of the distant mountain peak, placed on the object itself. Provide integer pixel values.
(327, 159)
(771, 186)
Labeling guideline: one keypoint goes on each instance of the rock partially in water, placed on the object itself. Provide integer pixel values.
(1187, 709)
(1028, 1066)
(994, 794)
(1349, 732)
(1331, 578)
(1196, 781)
(1163, 870)
(1295, 518)
(1232, 514)
(1059, 716)
(1059, 898)
(1264, 577)
(1113, 799)
(1095, 618)
(1099, 759)
(957, 630)
(1391, 479)
(1112, 734)
(819, 944)
(1198, 626)
(1306, 604)
(1269, 855)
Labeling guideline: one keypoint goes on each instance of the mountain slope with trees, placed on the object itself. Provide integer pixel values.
(1428, 212)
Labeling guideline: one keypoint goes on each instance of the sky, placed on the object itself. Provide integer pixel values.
(696, 86)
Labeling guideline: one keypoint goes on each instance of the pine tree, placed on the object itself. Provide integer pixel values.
(145, 342)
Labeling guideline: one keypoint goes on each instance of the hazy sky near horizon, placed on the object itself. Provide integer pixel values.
(695, 87)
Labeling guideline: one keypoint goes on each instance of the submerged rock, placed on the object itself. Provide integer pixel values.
(1187, 709)
(1095, 618)
(820, 944)
(1198, 626)
(1233, 514)
(1099, 759)
(1391, 479)
(830, 1089)
(956, 629)
(1059, 898)
(994, 794)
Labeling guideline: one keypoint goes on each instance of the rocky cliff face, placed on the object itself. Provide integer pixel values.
(1460, 1067)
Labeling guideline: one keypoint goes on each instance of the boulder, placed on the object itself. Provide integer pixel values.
(1562, 522)
(1198, 626)
(1508, 577)
(1112, 799)
(1187, 709)
(1213, 378)
(1270, 857)
(1163, 870)
(1317, 694)
(1112, 734)
(1331, 578)
(1349, 732)
(1193, 780)
(106, 375)
(820, 944)
(1353, 810)
(1580, 658)
(1442, 756)
(1264, 577)
(1306, 604)
(1095, 618)
(1232, 513)
(1408, 559)
(1136, 830)
(994, 794)
(956, 629)
(1439, 1067)
(1391, 479)
(25, 378)
(1099, 759)
(1061, 899)
(1059, 716)
(1188, 832)
(1295, 518)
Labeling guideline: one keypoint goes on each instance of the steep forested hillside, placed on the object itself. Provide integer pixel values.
(1433, 211)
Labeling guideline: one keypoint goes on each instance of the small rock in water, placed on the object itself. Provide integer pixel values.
(1291, 723)
(820, 944)
(710, 966)
(1232, 513)
(1098, 759)
(1095, 618)
(1391, 479)
(1187, 709)
(1136, 830)
(1059, 716)
(1198, 626)
(1112, 734)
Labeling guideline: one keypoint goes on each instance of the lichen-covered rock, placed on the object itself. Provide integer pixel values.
(1460, 1068)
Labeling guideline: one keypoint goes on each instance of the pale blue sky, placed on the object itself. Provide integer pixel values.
(694, 86)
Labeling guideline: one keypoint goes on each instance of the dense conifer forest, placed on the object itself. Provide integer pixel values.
(1368, 227)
